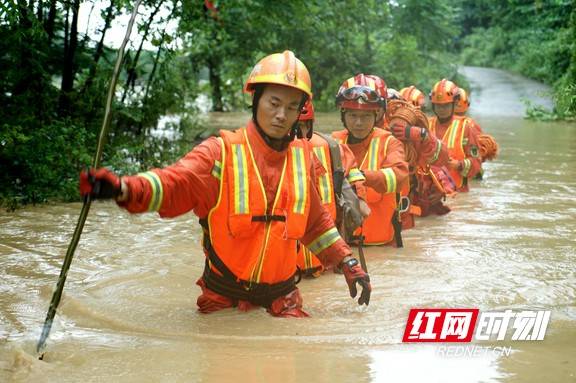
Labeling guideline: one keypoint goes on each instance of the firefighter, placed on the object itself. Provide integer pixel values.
(253, 191)
(330, 184)
(455, 133)
(380, 155)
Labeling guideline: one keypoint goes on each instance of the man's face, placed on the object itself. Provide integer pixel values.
(443, 111)
(278, 110)
(359, 122)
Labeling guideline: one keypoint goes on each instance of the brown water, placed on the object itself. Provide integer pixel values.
(128, 313)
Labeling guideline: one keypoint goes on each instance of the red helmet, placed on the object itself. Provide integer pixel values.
(381, 87)
(359, 92)
(463, 102)
(414, 96)
(444, 92)
(307, 112)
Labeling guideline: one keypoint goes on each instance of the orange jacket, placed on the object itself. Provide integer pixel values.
(307, 261)
(193, 183)
(461, 143)
(381, 158)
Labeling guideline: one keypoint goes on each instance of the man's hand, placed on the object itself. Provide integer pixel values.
(409, 133)
(355, 275)
(100, 184)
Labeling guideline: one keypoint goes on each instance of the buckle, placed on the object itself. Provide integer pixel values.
(403, 204)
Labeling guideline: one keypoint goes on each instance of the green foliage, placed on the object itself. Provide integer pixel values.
(536, 39)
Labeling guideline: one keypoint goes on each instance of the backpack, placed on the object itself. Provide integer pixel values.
(348, 214)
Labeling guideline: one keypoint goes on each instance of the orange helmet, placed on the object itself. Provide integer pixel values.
(282, 69)
(307, 112)
(444, 92)
(414, 96)
(359, 92)
(463, 102)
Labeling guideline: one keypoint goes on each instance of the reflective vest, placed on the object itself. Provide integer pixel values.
(377, 228)
(454, 140)
(256, 245)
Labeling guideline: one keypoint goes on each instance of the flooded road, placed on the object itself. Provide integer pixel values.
(128, 312)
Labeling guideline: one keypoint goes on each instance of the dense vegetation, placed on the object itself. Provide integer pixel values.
(534, 38)
(54, 70)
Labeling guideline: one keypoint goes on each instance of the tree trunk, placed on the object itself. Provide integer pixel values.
(49, 24)
(131, 78)
(215, 84)
(69, 70)
(99, 48)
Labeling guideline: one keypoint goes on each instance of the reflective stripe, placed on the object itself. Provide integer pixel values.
(390, 180)
(373, 154)
(157, 190)
(355, 175)
(351, 82)
(241, 190)
(300, 179)
(217, 169)
(453, 134)
(436, 152)
(371, 83)
(466, 167)
(323, 181)
(324, 241)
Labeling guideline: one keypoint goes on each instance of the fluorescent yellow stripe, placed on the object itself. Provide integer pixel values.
(300, 179)
(436, 152)
(217, 169)
(452, 135)
(351, 82)
(390, 180)
(323, 182)
(241, 189)
(157, 190)
(324, 241)
(355, 175)
(466, 167)
(373, 155)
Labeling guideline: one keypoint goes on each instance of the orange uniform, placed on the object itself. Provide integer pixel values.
(381, 159)
(251, 223)
(461, 142)
(307, 260)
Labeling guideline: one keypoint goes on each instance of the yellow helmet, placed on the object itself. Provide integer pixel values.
(282, 69)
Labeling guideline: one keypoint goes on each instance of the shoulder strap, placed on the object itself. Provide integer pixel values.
(336, 162)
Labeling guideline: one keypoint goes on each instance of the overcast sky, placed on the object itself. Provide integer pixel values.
(115, 34)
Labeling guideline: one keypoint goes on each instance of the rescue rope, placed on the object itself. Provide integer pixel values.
(405, 111)
(87, 201)
(488, 147)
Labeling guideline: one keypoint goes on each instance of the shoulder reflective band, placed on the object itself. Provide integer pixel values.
(300, 180)
(390, 180)
(324, 241)
(157, 191)
(355, 175)
(217, 169)
(323, 181)
(241, 188)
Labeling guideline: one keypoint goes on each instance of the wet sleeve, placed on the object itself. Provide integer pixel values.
(321, 236)
(472, 163)
(393, 170)
(192, 183)
(432, 152)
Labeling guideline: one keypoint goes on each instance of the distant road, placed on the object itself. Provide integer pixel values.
(497, 92)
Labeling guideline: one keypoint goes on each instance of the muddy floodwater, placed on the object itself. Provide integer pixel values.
(128, 313)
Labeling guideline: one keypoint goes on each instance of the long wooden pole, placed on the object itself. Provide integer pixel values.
(88, 201)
